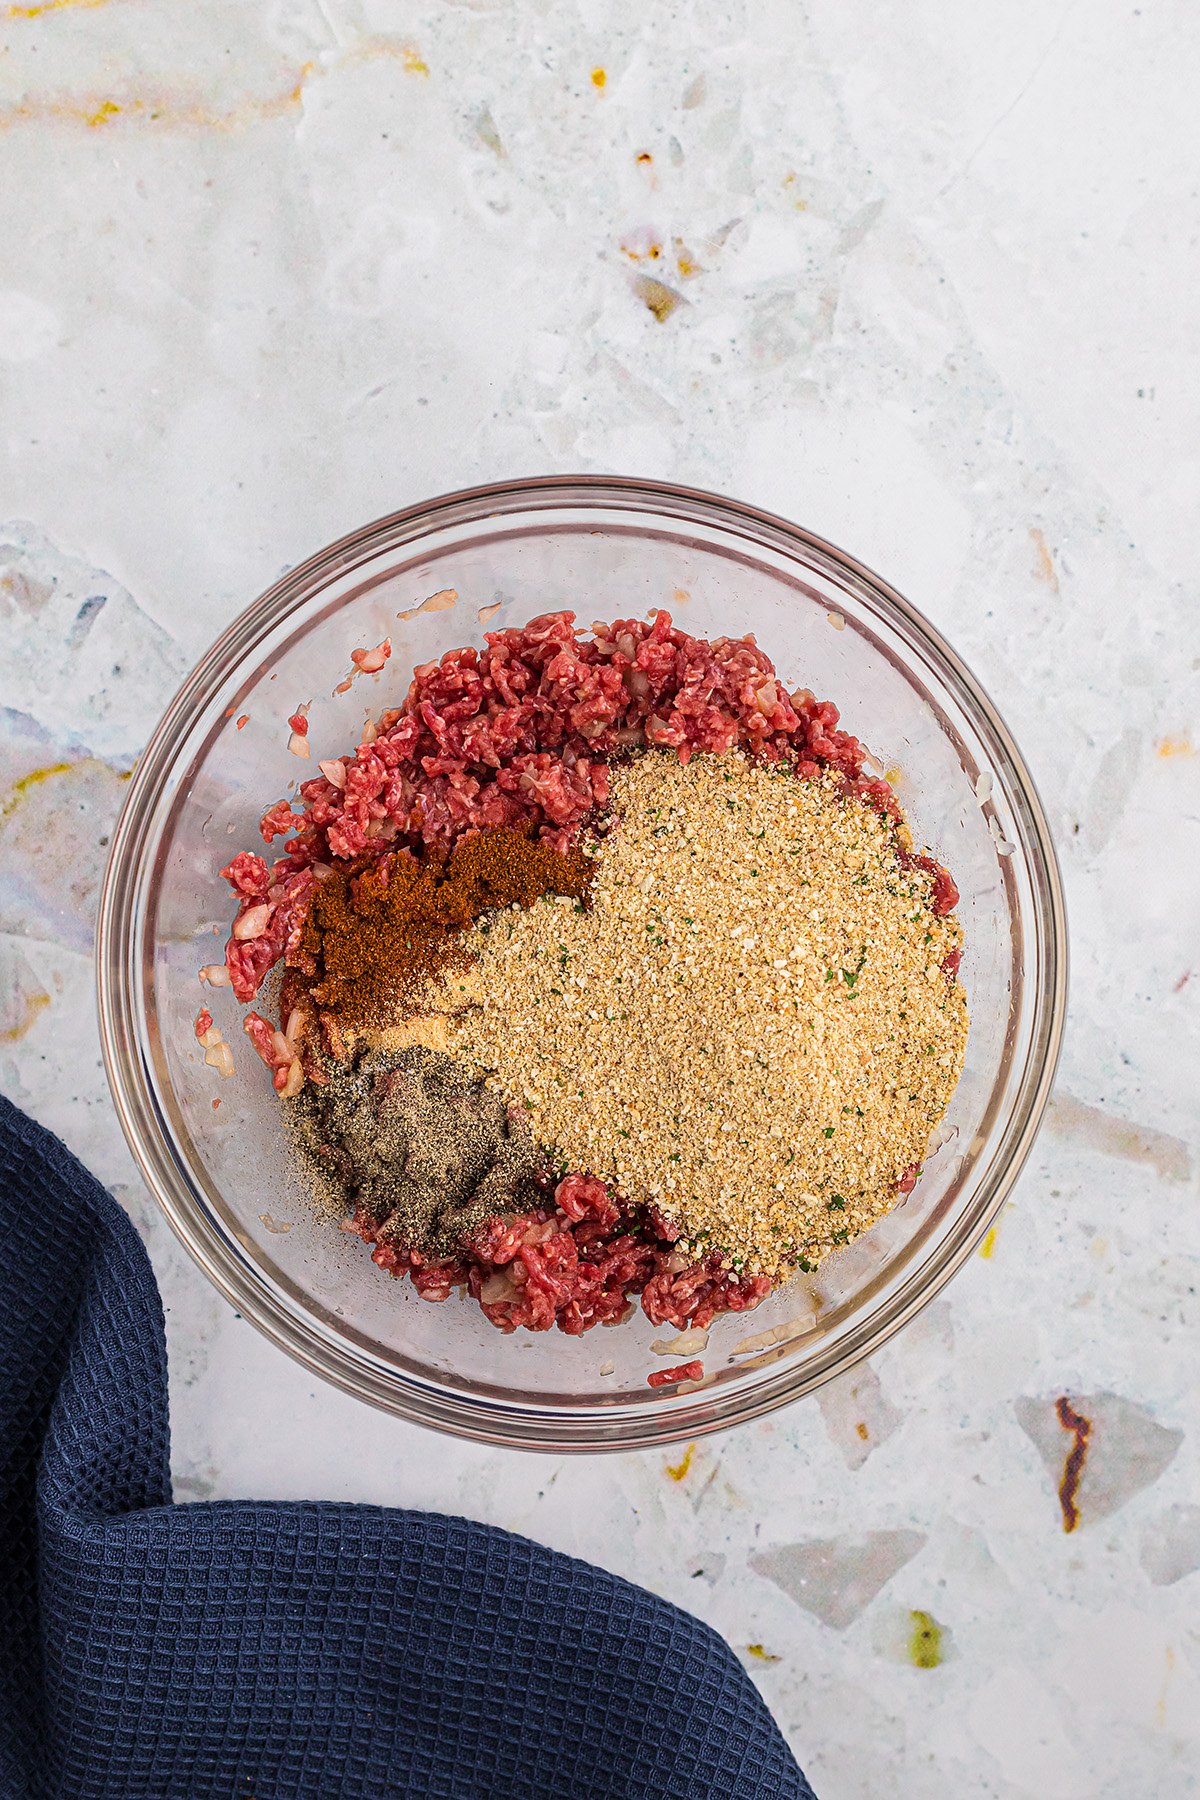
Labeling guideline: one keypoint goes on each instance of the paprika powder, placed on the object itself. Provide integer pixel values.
(372, 931)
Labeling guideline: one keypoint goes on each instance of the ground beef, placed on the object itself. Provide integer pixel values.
(521, 733)
(575, 1261)
(270, 924)
(692, 1371)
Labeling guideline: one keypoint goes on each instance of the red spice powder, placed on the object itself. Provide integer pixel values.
(370, 931)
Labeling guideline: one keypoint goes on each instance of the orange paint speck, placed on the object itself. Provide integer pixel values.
(641, 246)
(598, 78)
(862, 1431)
(1180, 746)
(216, 1103)
(677, 1471)
(244, 720)
(685, 262)
(1045, 570)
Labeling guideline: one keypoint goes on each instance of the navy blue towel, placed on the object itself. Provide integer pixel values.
(270, 1651)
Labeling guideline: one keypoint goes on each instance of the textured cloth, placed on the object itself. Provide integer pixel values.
(294, 1651)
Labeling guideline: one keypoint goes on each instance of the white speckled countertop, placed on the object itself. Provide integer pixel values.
(927, 279)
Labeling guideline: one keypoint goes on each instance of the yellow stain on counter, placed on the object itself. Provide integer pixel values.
(20, 789)
(789, 188)
(378, 49)
(35, 1005)
(677, 1471)
(143, 109)
(987, 1248)
(1180, 746)
(925, 1641)
(51, 6)
(172, 106)
(35, 778)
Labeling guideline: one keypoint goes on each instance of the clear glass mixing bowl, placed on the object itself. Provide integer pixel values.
(604, 548)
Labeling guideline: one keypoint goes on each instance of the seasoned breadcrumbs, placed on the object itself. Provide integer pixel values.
(749, 1026)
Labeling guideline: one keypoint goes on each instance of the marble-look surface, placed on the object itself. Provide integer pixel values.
(928, 278)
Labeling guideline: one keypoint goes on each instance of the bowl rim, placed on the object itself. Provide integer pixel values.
(489, 1420)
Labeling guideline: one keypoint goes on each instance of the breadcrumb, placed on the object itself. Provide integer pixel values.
(749, 1027)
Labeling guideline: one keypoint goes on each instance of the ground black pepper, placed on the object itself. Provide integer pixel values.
(415, 1139)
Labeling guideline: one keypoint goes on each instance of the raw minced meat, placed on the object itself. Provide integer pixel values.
(522, 733)
(574, 1262)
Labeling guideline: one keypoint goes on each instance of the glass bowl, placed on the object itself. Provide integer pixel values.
(602, 547)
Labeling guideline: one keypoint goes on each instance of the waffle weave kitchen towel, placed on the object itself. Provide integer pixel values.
(262, 1650)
